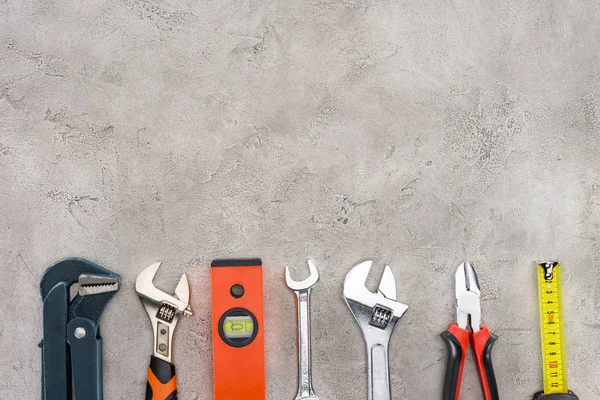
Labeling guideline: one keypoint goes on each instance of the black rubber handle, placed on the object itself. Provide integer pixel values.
(162, 380)
(457, 341)
(555, 396)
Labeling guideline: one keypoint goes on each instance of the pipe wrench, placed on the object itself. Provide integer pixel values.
(71, 344)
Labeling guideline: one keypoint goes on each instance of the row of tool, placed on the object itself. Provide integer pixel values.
(72, 346)
(378, 313)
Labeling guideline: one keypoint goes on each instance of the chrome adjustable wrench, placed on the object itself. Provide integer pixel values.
(164, 311)
(377, 315)
(302, 291)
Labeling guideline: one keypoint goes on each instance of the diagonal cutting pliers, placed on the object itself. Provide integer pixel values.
(458, 336)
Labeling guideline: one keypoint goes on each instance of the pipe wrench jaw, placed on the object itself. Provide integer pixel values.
(164, 310)
(91, 278)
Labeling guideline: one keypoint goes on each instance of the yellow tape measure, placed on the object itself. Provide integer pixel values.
(552, 328)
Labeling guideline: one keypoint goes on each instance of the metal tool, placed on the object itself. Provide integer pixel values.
(302, 291)
(377, 315)
(71, 344)
(164, 311)
(457, 337)
(554, 357)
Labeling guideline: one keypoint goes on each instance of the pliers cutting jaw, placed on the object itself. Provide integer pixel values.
(71, 344)
(458, 336)
(467, 297)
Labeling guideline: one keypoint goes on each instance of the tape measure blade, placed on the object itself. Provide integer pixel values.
(552, 330)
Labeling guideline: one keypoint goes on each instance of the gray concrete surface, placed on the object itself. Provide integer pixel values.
(417, 133)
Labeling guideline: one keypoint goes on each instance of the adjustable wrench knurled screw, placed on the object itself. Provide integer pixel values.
(302, 291)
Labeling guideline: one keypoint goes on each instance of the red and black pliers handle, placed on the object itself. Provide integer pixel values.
(457, 340)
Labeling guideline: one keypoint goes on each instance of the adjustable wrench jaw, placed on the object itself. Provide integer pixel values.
(145, 288)
(164, 310)
(373, 309)
(377, 315)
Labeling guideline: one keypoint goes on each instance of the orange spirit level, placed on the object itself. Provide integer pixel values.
(238, 336)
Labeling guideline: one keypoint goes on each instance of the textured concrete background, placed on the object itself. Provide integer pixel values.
(420, 134)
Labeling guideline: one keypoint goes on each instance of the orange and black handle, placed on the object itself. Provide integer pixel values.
(457, 341)
(162, 380)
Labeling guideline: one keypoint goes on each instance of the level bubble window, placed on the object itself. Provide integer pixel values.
(238, 327)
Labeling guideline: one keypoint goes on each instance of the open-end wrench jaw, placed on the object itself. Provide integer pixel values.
(306, 283)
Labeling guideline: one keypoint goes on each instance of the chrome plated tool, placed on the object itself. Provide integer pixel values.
(71, 344)
(164, 311)
(302, 291)
(377, 315)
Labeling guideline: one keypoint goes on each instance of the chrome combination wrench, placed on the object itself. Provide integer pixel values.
(302, 291)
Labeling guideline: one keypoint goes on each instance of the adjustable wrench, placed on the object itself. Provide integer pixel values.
(164, 311)
(302, 291)
(377, 315)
